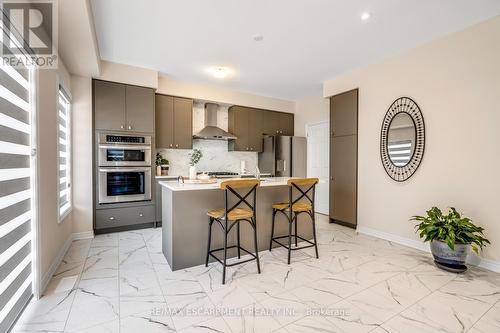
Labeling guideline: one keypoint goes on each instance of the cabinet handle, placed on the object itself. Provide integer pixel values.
(176, 146)
(247, 148)
(170, 145)
(112, 218)
(251, 148)
(141, 214)
(122, 126)
(129, 127)
(277, 132)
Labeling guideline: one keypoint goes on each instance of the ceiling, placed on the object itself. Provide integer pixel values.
(305, 41)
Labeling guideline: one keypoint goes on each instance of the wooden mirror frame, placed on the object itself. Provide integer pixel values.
(411, 108)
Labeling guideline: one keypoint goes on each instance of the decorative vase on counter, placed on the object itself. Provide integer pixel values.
(192, 172)
(164, 170)
(194, 158)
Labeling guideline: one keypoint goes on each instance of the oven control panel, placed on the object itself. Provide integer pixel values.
(125, 139)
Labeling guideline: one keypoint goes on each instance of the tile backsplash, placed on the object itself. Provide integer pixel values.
(216, 157)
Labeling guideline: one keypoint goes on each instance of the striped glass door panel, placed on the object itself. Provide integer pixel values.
(15, 193)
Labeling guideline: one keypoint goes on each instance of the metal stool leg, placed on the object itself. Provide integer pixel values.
(225, 255)
(238, 238)
(272, 230)
(290, 221)
(254, 225)
(210, 222)
(295, 221)
(314, 234)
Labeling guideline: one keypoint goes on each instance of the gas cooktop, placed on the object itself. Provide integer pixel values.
(222, 174)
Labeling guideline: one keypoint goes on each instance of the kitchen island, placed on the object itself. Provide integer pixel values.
(185, 220)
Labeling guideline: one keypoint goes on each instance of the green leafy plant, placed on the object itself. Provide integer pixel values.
(195, 157)
(160, 160)
(451, 228)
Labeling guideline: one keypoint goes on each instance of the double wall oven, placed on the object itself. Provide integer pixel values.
(124, 168)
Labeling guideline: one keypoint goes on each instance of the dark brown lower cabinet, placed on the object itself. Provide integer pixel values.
(344, 158)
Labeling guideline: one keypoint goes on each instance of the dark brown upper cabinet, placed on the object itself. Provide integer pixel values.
(109, 106)
(174, 122)
(344, 114)
(121, 107)
(164, 115)
(140, 109)
(286, 123)
(183, 123)
(278, 123)
(246, 124)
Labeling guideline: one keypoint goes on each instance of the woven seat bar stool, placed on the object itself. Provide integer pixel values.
(306, 188)
(228, 217)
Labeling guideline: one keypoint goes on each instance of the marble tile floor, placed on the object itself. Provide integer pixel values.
(121, 283)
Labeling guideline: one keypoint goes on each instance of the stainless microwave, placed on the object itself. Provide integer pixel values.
(118, 150)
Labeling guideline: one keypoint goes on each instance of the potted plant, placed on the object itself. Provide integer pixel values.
(451, 236)
(194, 158)
(161, 165)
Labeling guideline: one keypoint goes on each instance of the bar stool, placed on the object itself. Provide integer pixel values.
(228, 217)
(298, 207)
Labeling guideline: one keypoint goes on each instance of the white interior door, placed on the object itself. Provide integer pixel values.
(318, 162)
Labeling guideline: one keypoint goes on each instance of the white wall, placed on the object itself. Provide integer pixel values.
(111, 71)
(309, 110)
(169, 86)
(456, 82)
(81, 90)
(53, 236)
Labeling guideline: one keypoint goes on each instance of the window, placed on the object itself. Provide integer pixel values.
(16, 191)
(64, 149)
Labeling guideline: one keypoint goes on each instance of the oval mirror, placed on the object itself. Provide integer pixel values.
(402, 139)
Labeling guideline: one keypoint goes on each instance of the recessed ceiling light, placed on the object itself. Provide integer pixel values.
(219, 72)
(365, 16)
(258, 37)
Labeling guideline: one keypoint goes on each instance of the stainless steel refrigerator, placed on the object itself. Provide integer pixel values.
(284, 156)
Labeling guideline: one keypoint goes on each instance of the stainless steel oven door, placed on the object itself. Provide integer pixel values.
(124, 184)
(124, 155)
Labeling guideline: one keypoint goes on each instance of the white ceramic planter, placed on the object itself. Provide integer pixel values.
(192, 172)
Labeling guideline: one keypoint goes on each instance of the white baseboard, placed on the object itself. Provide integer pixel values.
(55, 264)
(488, 264)
(83, 235)
(60, 256)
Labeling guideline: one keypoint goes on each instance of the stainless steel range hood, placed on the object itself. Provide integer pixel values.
(211, 131)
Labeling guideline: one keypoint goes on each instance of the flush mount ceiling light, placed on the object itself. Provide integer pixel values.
(365, 16)
(219, 72)
(258, 37)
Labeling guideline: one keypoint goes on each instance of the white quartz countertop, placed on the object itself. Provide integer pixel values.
(166, 177)
(264, 182)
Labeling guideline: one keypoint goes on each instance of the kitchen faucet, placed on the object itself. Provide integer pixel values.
(257, 172)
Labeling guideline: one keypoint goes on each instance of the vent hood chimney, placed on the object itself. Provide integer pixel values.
(211, 131)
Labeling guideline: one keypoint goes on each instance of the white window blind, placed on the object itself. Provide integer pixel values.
(64, 144)
(15, 192)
